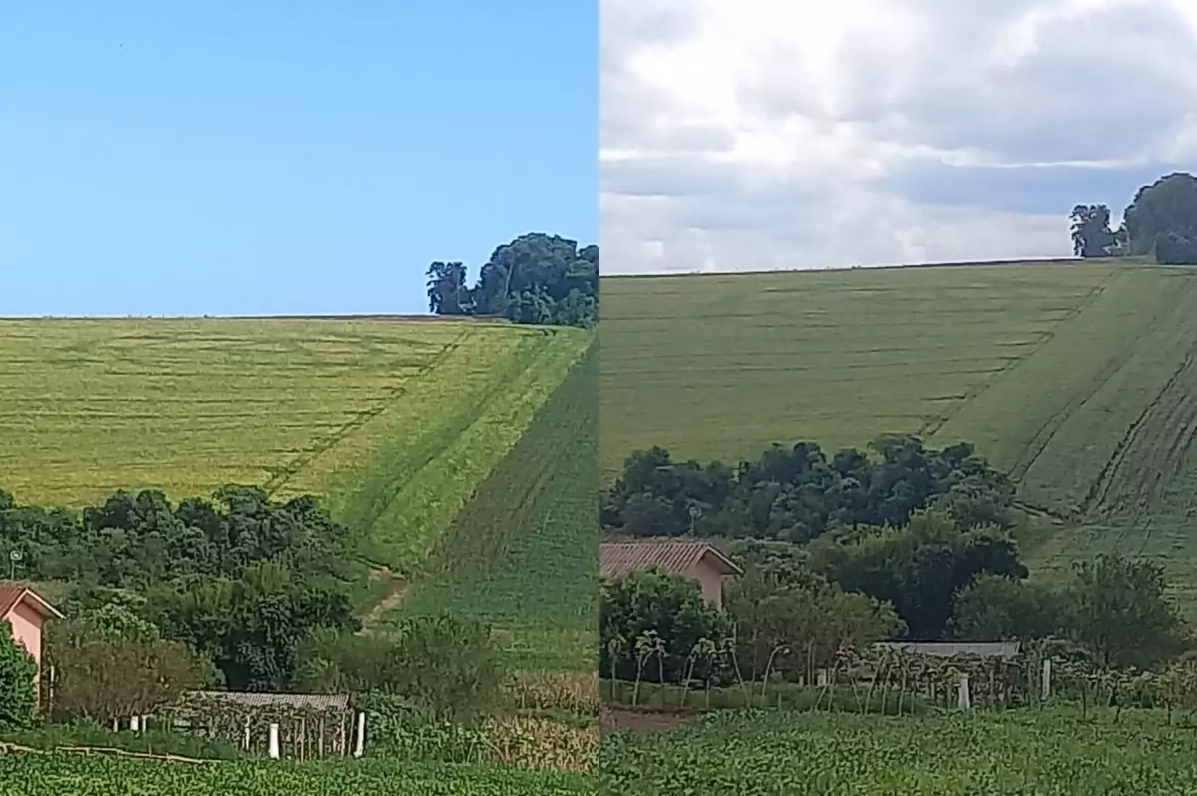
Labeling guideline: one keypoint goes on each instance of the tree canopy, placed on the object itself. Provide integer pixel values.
(798, 494)
(1160, 221)
(536, 278)
(241, 579)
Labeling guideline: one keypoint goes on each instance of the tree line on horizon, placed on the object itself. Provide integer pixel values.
(537, 279)
(1160, 222)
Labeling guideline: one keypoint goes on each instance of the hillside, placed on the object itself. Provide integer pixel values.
(1077, 379)
(395, 423)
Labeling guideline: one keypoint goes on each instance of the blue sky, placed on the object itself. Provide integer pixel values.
(284, 157)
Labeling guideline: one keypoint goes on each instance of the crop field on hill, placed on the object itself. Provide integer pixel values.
(521, 555)
(942, 755)
(38, 774)
(394, 423)
(1077, 379)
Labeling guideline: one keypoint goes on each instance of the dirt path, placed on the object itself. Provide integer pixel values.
(642, 720)
(391, 599)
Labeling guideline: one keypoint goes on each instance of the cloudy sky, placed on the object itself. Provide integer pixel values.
(761, 134)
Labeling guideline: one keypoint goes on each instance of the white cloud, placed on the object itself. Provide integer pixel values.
(795, 134)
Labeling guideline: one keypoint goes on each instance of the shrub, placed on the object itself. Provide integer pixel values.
(18, 694)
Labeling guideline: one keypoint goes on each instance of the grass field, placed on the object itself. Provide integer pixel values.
(996, 754)
(1078, 379)
(41, 774)
(394, 423)
(521, 555)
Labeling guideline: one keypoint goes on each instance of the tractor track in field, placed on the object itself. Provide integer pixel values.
(973, 393)
(281, 476)
(1151, 453)
(1047, 431)
(394, 488)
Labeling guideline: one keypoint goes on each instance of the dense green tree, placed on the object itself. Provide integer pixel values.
(1091, 233)
(536, 278)
(18, 694)
(1176, 248)
(448, 293)
(791, 621)
(1116, 608)
(137, 540)
(918, 568)
(241, 578)
(668, 606)
(796, 494)
(251, 627)
(998, 608)
(444, 667)
(1162, 219)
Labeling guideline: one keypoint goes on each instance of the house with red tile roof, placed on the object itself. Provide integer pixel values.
(26, 612)
(689, 559)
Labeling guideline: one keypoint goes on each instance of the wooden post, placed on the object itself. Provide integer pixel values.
(1046, 680)
(245, 741)
(273, 749)
(360, 745)
(964, 698)
(320, 741)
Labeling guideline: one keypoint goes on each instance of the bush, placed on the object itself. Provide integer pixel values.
(18, 693)
(103, 676)
(444, 667)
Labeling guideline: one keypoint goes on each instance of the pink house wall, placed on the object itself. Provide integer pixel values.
(710, 581)
(27, 629)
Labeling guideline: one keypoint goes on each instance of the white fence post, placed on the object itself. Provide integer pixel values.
(360, 746)
(273, 750)
(135, 724)
(821, 678)
(964, 698)
(1046, 682)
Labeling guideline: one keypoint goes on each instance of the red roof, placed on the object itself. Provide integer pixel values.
(670, 556)
(13, 593)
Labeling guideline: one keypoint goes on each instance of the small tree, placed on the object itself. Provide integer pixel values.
(18, 695)
(104, 676)
(1118, 610)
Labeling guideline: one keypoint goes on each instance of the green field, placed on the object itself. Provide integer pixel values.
(42, 774)
(997, 754)
(1077, 379)
(536, 516)
(435, 441)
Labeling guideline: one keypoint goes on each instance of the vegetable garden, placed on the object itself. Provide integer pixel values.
(1023, 752)
(32, 774)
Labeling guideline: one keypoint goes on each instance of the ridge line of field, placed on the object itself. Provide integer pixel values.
(1039, 261)
(359, 419)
